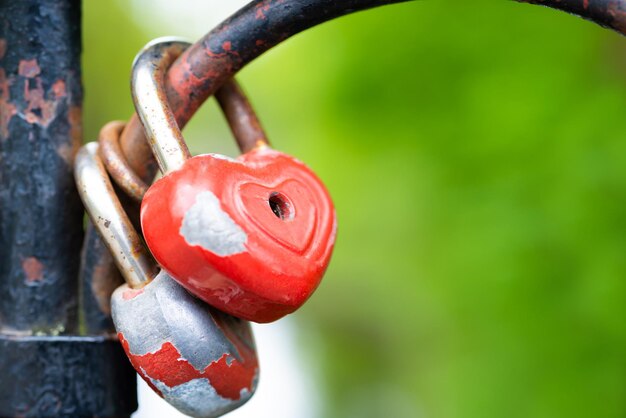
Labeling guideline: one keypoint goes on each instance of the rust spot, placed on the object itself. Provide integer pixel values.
(58, 88)
(33, 269)
(226, 46)
(38, 109)
(7, 109)
(3, 47)
(29, 68)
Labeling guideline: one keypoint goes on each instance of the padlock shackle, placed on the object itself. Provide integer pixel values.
(241, 117)
(157, 118)
(120, 171)
(159, 123)
(108, 216)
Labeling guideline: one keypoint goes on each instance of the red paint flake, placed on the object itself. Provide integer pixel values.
(124, 343)
(259, 42)
(168, 366)
(3, 47)
(585, 4)
(33, 269)
(226, 46)
(58, 88)
(29, 68)
(132, 293)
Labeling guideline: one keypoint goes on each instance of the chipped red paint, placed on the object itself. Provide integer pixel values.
(3, 48)
(228, 376)
(284, 259)
(33, 269)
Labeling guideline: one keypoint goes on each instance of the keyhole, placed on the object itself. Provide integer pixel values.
(280, 206)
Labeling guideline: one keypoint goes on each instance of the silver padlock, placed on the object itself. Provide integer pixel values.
(202, 361)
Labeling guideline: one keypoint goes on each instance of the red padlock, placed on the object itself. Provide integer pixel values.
(251, 236)
(200, 360)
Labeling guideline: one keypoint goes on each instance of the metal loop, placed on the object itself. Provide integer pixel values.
(115, 162)
(105, 210)
(150, 100)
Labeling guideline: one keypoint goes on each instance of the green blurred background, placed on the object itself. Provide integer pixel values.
(476, 154)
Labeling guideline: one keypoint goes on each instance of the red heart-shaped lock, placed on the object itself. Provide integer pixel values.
(251, 236)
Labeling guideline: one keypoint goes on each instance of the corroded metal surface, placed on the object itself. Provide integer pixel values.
(40, 131)
(65, 377)
(46, 369)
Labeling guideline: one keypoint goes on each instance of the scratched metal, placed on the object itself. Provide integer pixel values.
(206, 224)
(163, 311)
(200, 360)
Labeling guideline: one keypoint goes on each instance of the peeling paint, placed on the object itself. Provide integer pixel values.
(207, 225)
(38, 109)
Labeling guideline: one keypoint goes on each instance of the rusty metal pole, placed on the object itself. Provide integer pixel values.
(47, 368)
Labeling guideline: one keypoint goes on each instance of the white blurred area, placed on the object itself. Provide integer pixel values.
(286, 387)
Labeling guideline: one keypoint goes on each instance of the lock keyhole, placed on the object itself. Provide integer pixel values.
(281, 206)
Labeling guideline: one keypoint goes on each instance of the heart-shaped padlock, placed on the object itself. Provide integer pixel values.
(200, 360)
(251, 236)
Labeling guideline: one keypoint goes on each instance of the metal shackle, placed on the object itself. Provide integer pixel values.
(162, 131)
(199, 359)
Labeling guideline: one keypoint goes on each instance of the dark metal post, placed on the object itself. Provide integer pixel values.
(46, 367)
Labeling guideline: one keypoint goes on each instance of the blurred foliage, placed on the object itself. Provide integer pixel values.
(476, 153)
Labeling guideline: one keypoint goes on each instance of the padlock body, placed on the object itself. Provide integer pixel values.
(251, 236)
(202, 361)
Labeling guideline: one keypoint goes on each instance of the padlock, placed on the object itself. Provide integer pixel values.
(200, 360)
(251, 236)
